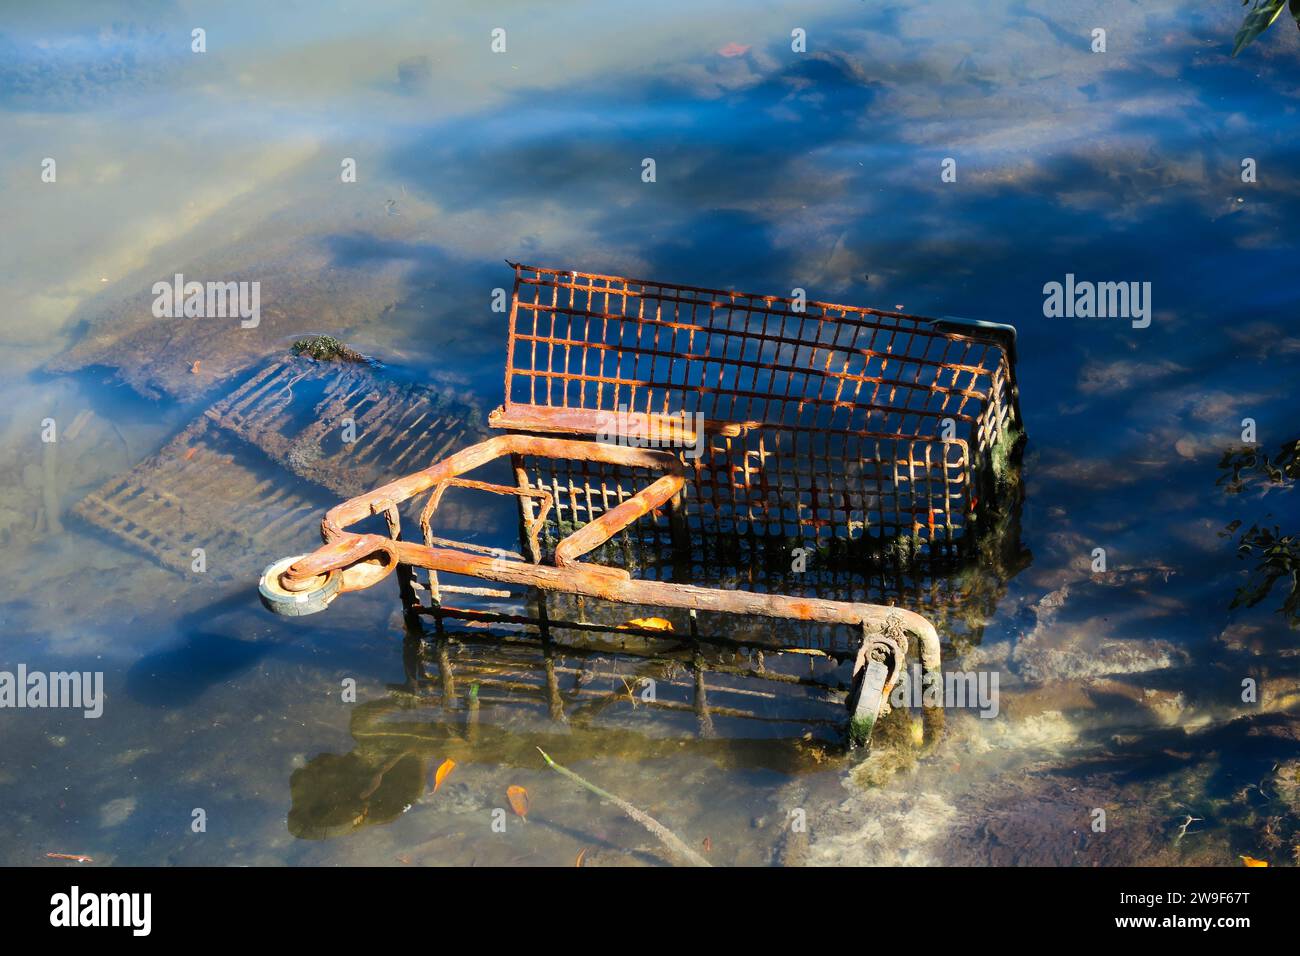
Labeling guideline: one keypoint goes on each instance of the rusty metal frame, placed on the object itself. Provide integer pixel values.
(353, 561)
(809, 419)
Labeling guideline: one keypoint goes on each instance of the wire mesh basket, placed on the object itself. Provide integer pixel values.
(806, 420)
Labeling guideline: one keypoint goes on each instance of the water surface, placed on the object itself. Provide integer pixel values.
(774, 170)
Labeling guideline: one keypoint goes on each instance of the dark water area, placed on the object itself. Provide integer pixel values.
(774, 170)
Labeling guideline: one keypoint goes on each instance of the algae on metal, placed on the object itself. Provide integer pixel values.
(326, 348)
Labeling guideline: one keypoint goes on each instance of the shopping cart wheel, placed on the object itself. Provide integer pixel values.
(866, 702)
(277, 599)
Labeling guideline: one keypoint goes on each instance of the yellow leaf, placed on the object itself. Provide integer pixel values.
(446, 767)
(649, 624)
(1251, 861)
(581, 854)
(518, 797)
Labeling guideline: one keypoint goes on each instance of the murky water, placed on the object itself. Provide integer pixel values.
(1121, 691)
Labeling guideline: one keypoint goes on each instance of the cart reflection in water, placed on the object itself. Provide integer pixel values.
(490, 700)
(489, 682)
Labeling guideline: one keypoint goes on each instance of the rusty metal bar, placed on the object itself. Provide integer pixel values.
(607, 583)
(405, 574)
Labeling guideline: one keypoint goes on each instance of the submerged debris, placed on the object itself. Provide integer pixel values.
(183, 497)
(342, 426)
(326, 348)
(74, 857)
(519, 800)
(299, 414)
(666, 836)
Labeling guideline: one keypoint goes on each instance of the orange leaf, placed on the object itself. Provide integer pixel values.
(581, 854)
(190, 454)
(446, 767)
(649, 624)
(518, 797)
(1251, 861)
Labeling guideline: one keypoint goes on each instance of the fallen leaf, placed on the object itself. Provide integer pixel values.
(446, 767)
(581, 854)
(82, 858)
(734, 49)
(519, 801)
(190, 454)
(648, 624)
(708, 845)
(1251, 861)
(194, 368)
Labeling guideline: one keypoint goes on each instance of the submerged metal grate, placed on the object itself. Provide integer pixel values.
(185, 496)
(295, 410)
(208, 488)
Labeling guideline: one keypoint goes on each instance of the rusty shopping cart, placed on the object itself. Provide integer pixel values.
(710, 427)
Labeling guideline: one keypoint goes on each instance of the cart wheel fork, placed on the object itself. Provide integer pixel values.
(879, 665)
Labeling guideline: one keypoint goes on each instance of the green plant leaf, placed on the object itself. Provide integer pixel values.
(1257, 21)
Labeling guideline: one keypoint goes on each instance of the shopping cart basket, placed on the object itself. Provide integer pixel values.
(684, 416)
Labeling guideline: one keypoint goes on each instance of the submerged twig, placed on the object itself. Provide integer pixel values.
(666, 836)
(50, 489)
(1182, 830)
